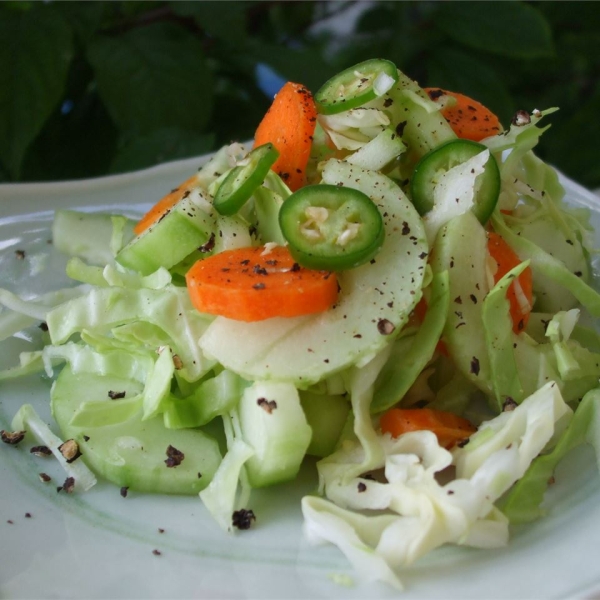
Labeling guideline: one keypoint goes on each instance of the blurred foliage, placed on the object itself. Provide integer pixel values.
(90, 88)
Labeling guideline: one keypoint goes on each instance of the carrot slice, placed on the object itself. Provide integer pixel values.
(252, 284)
(164, 205)
(448, 427)
(468, 118)
(520, 291)
(289, 125)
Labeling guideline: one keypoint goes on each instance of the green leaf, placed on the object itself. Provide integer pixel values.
(457, 71)
(513, 29)
(73, 145)
(160, 146)
(570, 147)
(35, 54)
(84, 17)
(152, 77)
(223, 20)
(302, 65)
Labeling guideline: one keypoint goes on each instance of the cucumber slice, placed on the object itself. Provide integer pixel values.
(179, 232)
(462, 241)
(274, 425)
(374, 302)
(132, 453)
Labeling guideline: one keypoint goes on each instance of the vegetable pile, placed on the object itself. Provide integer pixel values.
(389, 281)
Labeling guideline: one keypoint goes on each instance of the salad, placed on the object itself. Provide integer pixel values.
(389, 281)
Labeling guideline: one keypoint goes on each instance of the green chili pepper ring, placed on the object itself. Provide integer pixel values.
(241, 182)
(354, 86)
(331, 228)
(442, 159)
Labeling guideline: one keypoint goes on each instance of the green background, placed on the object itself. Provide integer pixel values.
(92, 88)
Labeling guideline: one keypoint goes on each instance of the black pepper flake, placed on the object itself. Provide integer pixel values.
(358, 336)
(156, 552)
(177, 362)
(174, 457)
(387, 102)
(12, 437)
(242, 519)
(405, 228)
(44, 477)
(43, 326)
(462, 443)
(20, 254)
(520, 118)
(208, 245)
(578, 273)
(295, 267)
(161, 530)
(116, 395)
(400, 128)
(551, 480)
(385, 327)
(86, 438)
(41, 451)
(450, 492)
(68, 486)
(10, 521)
(28, 515)
(259, 270)
(509, 405)
(259, 286)
(435, 94)
(473, 298)
(458, 300)
(70, 450)
(245, 262)
(362, 487)
(124, 491)
(475, 365)
(267, 405)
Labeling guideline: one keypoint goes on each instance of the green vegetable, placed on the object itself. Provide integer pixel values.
(240, 183)
(331, 228)
(273, 424)
(356, 86)
(179, 232)
(431, 169)
(132, 453)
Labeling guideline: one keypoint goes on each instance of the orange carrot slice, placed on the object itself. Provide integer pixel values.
(448, 427)
(468, 118)
(520, 292)
(289, 125)
(252, 284)
(164, 205)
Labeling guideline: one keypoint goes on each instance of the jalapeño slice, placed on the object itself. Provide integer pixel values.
(331, 228)
(241, 182)
(356, 86)
(443, 158)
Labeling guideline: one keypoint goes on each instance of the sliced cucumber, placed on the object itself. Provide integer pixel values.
(461, 250)
(179, 232)
(274, 425)
(132, 453)
(374, 302)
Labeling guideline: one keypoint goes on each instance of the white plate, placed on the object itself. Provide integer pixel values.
(100, 545)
